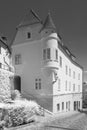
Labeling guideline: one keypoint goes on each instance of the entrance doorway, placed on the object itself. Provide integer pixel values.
(75, 106)
(17, 83)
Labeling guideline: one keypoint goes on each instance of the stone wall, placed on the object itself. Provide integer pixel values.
(5, 85)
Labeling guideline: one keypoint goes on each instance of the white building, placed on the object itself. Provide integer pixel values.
(47, 69)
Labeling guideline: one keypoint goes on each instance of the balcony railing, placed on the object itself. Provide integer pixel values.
(5, 67)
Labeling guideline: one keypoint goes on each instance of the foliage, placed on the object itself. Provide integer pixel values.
(15, 94)
(20, 112)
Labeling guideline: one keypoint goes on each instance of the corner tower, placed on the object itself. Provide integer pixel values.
(50, 48)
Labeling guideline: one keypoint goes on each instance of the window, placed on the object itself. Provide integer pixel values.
(66, 70)
(78, 88)
(58, 84)
(75, 107)
(79, 104)
(66, 85)
(69, 72)
(73, 87)
(66, 105)
(48, 53)
(79, 76)
(62, 105)
(60, 61)
(58, 107)
(0, 65)
(56, 54)
(28, 35)
(44, 54)
(0, 49)
(69, 105)
(37, 83)
(18, 59)
(74, 74)
(69, 86)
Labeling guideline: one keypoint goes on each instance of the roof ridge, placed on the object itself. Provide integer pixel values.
(30, 18)
(33, 12)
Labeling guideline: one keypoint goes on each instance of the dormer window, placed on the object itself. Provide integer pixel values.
(28, 35)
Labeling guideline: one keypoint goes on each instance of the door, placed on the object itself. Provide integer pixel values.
(75, 106)
(17, 83)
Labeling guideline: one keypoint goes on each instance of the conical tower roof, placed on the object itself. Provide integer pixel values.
(29, 19)
(48, 24)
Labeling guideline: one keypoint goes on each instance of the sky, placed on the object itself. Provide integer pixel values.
(69, 16)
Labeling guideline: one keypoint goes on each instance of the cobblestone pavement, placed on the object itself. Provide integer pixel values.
(73, 122)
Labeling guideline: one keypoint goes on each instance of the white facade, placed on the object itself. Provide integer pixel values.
(36, 52)
(70, 85)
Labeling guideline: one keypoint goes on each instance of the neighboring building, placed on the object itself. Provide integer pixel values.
(6, 70)
(84, 96)
(46, 68)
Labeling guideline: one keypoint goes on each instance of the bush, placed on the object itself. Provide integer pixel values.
(20, 112)
(15, 94)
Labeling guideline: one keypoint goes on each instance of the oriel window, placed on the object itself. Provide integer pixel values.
(48, 53)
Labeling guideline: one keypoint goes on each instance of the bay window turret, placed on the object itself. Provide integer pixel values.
(50, 54)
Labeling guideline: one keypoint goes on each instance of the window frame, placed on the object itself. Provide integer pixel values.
(70, 72)
(56, 54)
(74, 87)
(79, 76)
(44, 54)
(66, 69)
(74, 74)
(0, 49)
(48, 53)
(59, 84)
(66, 83)
(60, 61)
(58, 107)
(62, 105)
(18, 59)
(38, 83)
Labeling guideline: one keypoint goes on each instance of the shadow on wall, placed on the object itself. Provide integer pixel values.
(42, 101)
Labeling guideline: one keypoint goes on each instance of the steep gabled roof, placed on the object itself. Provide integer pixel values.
(29, 19)
(48, 24)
